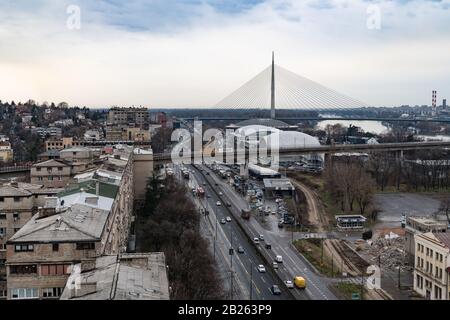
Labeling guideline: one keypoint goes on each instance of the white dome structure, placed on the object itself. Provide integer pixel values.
(288, 140)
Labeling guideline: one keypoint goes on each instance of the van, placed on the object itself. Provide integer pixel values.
(300, 282)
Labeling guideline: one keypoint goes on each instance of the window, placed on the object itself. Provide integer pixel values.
(40, 179)
(86, 246)
(59, 178)
(2, 216)
(2, 262)
(2, 199)
(23, 269)
(38, 169)
(3, 293)
(55, 247)
(16, 216)
(50, 178)
(17, 199)
(24, 293)
(23, 248)
(60, 168)
(52, 292)
(2, 232)
(2, 246)
(55, 269)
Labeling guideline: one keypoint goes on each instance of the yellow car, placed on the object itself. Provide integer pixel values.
(300, 282)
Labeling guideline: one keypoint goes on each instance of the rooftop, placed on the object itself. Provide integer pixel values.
(52, 163)
(278, 184)
(128, 277)
(77, 223)
(104, 189)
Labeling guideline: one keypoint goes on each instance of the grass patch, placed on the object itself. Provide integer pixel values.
(346, 289)
(311, 249)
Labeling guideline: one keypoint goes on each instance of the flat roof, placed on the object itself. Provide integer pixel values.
(279, 184)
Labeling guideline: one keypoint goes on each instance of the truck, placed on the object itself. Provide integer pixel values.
(245, 214)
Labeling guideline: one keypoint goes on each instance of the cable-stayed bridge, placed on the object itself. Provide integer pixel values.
(278, 88)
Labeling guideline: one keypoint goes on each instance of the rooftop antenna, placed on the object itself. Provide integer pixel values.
(272, 89)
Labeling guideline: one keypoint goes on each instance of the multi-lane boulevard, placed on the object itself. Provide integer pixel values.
(293, 263)
(243, 266)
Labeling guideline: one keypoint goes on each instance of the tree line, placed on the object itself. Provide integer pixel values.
(169, 223)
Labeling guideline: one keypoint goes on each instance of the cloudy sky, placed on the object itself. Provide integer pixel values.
(193, 53)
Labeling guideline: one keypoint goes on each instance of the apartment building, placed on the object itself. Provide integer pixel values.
(90, 219)
(432, 265)
(49, 131)
(127, 276)
(419, 225)
(63, 143)
(6, 152)
(52, 173)
(18, 203)
(127, 134)
(128, 117)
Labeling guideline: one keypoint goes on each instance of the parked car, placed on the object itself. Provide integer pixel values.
(275, 290)
(261, 268)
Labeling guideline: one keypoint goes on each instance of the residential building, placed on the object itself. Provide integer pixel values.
(119, 277)
(18, 203)
(59, 144)
(127, 134)
(432, 265)
(89, 219)
(52, 173)
(128, 117)
(143, 168)
(93, 135)
(78, 154)
(48, 155)
(49, 131)
(419, 225)
(6, 152)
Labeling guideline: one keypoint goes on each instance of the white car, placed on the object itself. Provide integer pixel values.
(228, 219)
(220, 194)
(261, 268)
(279, 259)
(289, 284)
(256, 240)
(218, 203)
(275, 265)
(261, 237)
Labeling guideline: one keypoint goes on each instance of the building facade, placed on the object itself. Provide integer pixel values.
(51, 173)
(431, 266)
(88, 220)
(18, 203)
(128, 117)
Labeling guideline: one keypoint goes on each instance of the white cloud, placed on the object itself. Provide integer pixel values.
(208, 55)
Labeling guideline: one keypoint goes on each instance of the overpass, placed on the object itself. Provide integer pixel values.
(194, 157)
